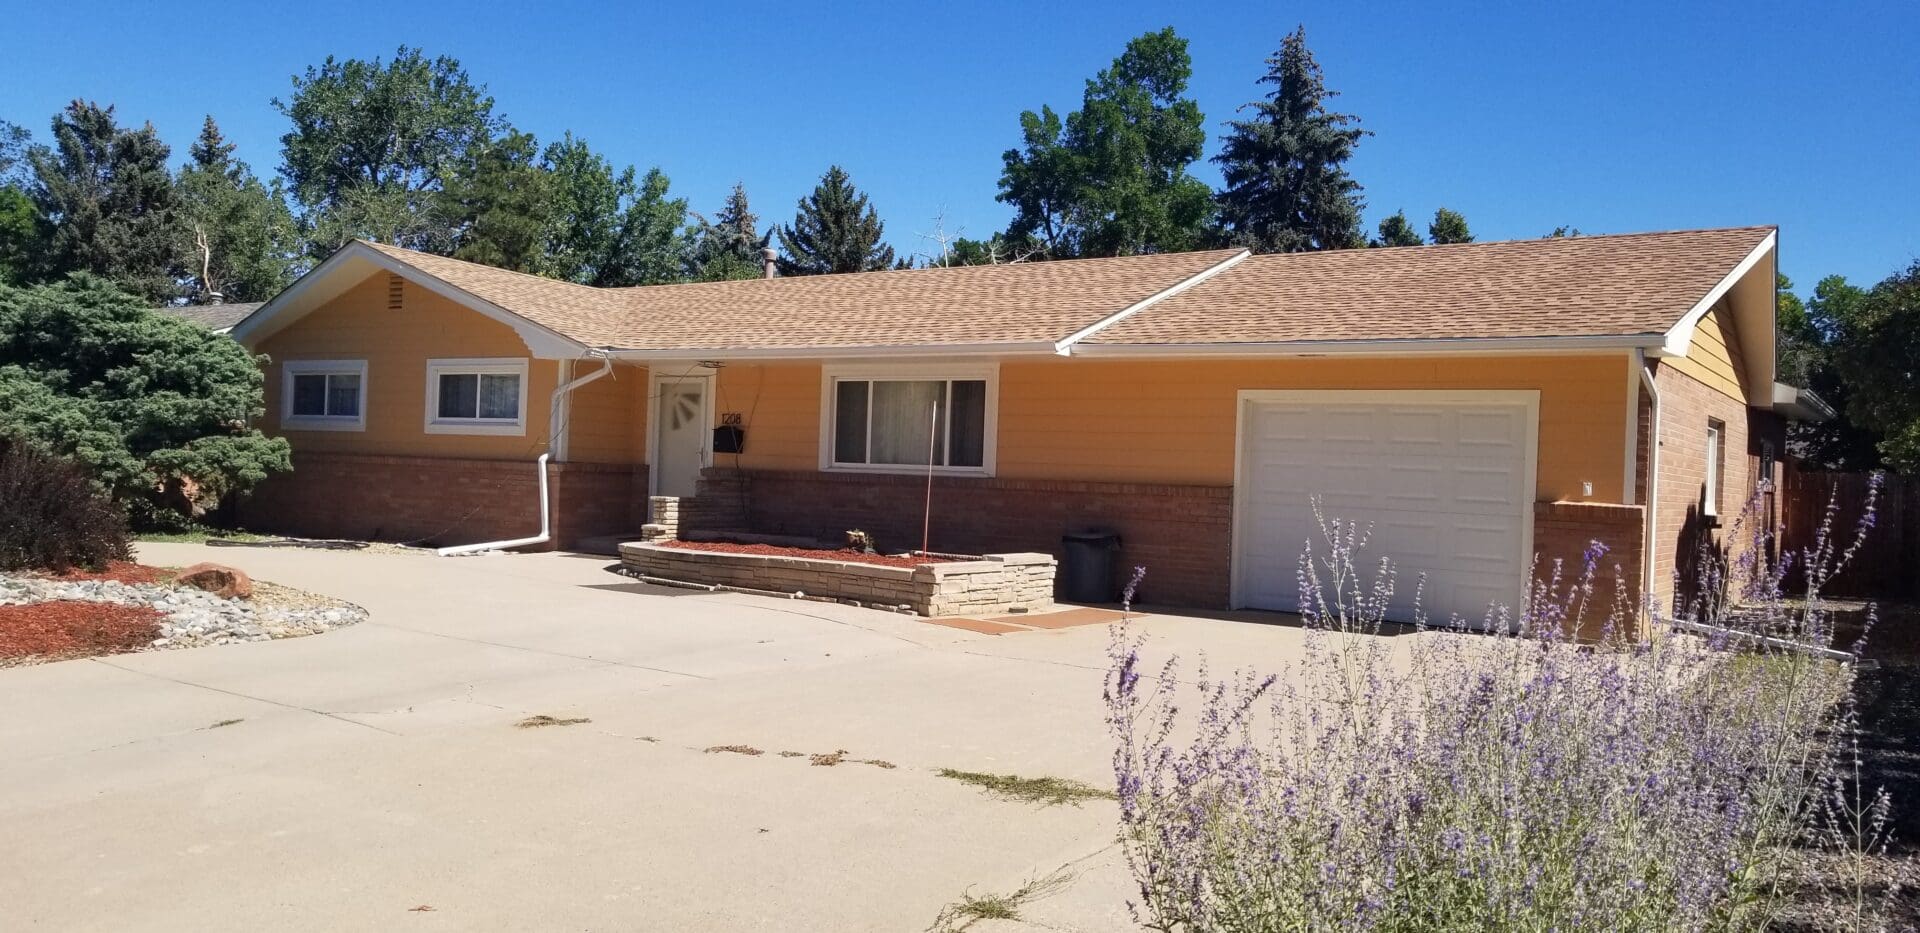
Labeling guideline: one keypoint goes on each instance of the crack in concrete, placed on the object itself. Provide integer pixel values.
(244, 696)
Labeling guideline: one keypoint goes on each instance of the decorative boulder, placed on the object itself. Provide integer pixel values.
(219, 579)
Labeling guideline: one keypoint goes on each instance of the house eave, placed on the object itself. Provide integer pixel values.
(1606, 343)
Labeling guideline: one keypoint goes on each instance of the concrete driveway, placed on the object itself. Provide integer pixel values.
(373, 779)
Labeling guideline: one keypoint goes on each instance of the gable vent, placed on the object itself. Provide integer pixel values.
(395, 291)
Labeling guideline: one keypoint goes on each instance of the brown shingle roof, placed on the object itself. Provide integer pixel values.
(1004, 304)
(1625, 284)
(213, 317)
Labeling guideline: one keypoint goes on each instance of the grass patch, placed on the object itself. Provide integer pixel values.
(735, 749)
(197, 536)
(1047, 791)
(222, 724)
(535, 722)
(971, 909)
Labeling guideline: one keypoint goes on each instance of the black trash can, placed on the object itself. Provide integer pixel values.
(1086, 575)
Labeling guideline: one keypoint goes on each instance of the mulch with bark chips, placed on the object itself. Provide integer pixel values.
(74, 629)
(119, 571)
(771, 550)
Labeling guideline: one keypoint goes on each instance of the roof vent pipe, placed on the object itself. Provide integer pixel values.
(767, 269)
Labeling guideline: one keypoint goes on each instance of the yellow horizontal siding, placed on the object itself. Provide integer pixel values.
(1713, 356)
(607, 418)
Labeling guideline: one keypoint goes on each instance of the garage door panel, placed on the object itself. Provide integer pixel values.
(1443, 486)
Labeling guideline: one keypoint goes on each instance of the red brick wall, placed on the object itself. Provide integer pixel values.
(1562, 532)
(439, 501)
(1680, 531)
(1181, 534)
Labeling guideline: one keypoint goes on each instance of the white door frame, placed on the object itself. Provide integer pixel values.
(654, 382)
(1246, 398)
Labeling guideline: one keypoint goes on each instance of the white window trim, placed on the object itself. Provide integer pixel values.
(988, 372)
(292, 422)
(1710, 501)
(435, 424)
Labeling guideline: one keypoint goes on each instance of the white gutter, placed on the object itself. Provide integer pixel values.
(1650, 536)
(561, 407)
(557, 434)
(1379, 347)
(546, 524)
(669, 355)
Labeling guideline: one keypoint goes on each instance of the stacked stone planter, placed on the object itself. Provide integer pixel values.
(992, 584)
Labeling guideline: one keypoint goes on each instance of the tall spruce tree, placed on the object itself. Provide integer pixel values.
(1398, 231)
(1449, 227)
(1111, 178)
(20, 226)
(374, 144)
(108, 200)
(835, 231)
(728, 246)
(1287, 188)
(238, 239)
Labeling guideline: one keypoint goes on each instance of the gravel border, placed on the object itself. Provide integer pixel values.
(192, 618)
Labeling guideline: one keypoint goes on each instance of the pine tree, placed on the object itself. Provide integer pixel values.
(238, 239)
(729, 245)
(1398, 231)
(835, 231)
(108, 199)
(504, 198)
(1287, 188)
(1449, 227)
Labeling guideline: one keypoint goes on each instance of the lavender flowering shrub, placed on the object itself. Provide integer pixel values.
(1511, 778)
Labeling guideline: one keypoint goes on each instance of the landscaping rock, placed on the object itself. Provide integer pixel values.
(218, 579)
(190, 618)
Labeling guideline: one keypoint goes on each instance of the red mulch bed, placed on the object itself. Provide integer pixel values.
(123, 571)
(769, 550)
(74, 629)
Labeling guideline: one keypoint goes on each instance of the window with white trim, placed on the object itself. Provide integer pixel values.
(323, 395)
(484, 396)
(1716, 452)
(905, 420)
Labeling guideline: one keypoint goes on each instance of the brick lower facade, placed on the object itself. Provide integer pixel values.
(1181, 534)
(442, 501)
(1562, 531)
(1684, 535)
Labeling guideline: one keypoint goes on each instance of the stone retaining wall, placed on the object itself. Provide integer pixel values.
(994, 584)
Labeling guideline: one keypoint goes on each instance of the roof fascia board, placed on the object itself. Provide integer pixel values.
(1680, 336)
(1029, 348)
(1456, 347)
(542, 342)
(1064, 347)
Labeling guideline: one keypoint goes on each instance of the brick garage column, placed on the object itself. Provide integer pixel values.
(1563, 531)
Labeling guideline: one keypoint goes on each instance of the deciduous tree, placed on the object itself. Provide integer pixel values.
(1287, 188)
(504, 200)
(1878, 355)
(238, 239)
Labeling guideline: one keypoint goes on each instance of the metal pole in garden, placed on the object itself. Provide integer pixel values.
(926, 518)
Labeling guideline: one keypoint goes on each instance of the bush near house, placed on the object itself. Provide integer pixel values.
(158, 410)
(52, 517)
(1446, 781)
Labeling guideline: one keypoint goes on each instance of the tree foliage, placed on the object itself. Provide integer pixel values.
(1449, 227)
(143, 399)
(504, 199)
(728, 246)
(1877, 343)
(1398, 231)
(1811, 336)
(108, 201)
(238, 239)
(1111, 178)
(835, 230)
(374, 144)
(1287, 188)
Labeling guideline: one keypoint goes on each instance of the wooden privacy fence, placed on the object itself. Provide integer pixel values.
(1888, 565)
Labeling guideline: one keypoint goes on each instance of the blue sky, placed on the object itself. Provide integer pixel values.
(1609, 117)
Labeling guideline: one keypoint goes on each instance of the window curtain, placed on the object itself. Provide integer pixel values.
(499, 396)
(902, 417)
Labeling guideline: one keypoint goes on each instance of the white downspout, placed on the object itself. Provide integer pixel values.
(546, 512)
(1653, 478)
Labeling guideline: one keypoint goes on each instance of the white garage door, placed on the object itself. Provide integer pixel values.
(1445, 478)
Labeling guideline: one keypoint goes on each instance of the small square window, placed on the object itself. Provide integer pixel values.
(324, 395)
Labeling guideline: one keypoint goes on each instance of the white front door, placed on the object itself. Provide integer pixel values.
(682, 415)
(1445, 479)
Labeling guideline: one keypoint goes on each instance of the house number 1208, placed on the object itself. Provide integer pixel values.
(731, 419)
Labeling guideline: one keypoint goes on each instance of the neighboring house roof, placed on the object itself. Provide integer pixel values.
(1589, 286)
(1644, 291)
(218, 318)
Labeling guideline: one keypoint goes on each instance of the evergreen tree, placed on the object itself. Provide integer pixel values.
(1562, 232)
(108, 200)
(1398, 231)
(1111, 179)
(1287, 188)
(238, 238)
(835, 230)
(374, 144)
(504, 198)
(1449, 227)
(729, 245)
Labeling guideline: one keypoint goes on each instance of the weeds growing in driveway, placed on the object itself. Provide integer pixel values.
(1516, 780)
(1050, 791)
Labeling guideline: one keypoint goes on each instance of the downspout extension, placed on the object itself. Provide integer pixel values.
(557, 440)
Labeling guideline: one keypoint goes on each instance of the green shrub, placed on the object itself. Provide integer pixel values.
(52, 516)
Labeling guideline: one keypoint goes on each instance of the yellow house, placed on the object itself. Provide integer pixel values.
(1482, 406)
